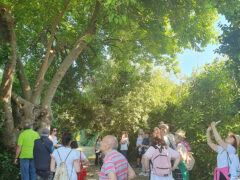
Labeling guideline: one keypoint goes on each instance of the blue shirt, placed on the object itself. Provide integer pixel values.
(41, 153)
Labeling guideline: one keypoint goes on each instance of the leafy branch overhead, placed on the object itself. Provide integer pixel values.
(53, 37)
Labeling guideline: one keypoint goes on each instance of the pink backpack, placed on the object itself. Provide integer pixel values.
(160, 163)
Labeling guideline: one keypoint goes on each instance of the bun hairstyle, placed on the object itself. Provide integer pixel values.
(74, 145)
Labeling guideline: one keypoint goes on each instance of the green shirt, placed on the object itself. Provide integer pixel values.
(26, 140)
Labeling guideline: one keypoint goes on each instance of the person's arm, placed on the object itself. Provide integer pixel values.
(76, 165)
(18, 150)
(55, 146)
(209, 141)
(174, 155)
(112, 176)
(176, 162)
(124, 141)
(131, 173)
(50, 138)
(85, 161)
(218, 137)
(53, 165)
(145, 163)
(182, 152)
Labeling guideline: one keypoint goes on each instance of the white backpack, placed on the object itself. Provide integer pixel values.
(61, 172)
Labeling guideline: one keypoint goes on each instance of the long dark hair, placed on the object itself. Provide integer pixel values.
(157, 141)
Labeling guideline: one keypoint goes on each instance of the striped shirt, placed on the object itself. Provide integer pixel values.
(114, 162)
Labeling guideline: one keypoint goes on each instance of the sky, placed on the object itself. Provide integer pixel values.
(190, 59)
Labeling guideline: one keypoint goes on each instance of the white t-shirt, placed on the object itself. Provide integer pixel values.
(139, 140)
(125, 145)
(222, 158)
(74, 155)
(53, 139)
(172, 154)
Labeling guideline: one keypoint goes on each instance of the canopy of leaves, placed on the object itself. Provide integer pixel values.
(137, 30)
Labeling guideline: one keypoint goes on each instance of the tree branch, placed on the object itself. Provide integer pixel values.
(35, 98)
(45, 61)
(26, 89)
(19, 100)
(77, 49)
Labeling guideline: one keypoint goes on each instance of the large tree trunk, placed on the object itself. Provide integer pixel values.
(29, 108)
(8, 36)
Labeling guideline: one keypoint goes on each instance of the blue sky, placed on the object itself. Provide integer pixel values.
(188, 60)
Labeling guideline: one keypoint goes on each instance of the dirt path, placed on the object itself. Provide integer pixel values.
(93, 171)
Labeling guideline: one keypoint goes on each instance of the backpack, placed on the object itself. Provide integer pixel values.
(235, 162)
(190, 161)
(61, 172)
(160, 163)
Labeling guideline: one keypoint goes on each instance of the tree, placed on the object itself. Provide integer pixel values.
(208, 97)
(230, 41)
(51, 36)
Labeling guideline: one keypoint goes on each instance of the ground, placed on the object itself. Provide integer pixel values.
(93, 171)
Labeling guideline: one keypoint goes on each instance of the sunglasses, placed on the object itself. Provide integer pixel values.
(54, 130)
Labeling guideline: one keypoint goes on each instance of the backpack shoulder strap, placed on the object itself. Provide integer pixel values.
(80, 161)
(67, 155)
(59, 156)
(170, 142)
(228, 159)
(45, 146)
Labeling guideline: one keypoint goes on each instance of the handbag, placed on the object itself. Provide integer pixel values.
(83, 172)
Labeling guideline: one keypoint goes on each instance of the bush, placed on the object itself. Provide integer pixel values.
(9, 171)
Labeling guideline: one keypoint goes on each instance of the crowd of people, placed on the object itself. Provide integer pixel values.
(160, 155)
(41, 156)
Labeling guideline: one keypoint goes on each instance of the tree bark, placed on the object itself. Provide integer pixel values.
(26, 89)
(39, 85)
(7, 32)
(78, 47)
(32, 113)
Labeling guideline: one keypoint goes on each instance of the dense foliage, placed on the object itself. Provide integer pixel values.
(121, 78)
(149, 96)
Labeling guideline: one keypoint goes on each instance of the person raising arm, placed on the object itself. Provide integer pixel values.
(209, 141)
